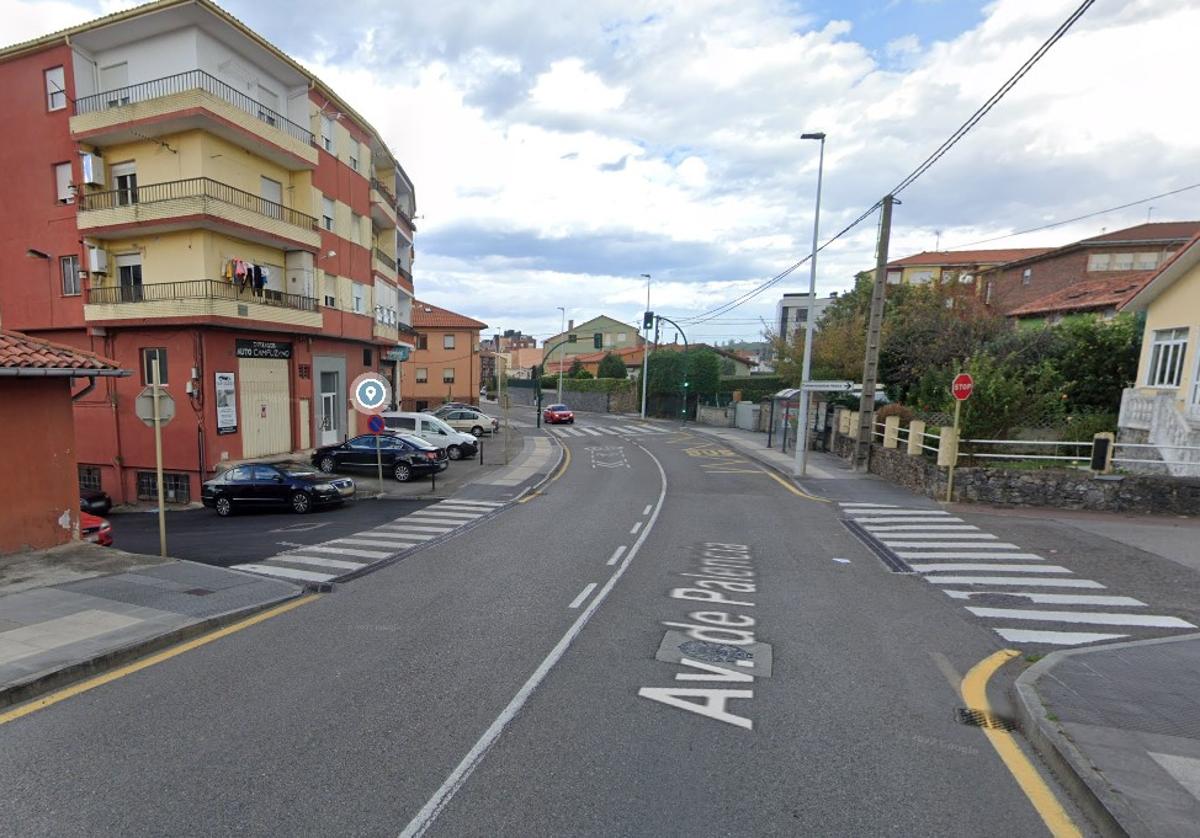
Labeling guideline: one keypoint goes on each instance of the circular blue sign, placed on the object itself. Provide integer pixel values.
(370, 393)
(375, 424)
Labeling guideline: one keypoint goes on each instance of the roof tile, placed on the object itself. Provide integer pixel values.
(429, 316)
(1110, 292)
(967, 257)
(19, 351)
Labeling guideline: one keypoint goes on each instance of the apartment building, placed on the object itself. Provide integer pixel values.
(445, 367)
(795, 311)
(180, 189)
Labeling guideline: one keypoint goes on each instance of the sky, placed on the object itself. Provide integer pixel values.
(561, 150)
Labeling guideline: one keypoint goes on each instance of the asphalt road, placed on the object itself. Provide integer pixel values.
(505, 682)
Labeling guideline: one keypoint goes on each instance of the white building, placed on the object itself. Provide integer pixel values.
(792, 312)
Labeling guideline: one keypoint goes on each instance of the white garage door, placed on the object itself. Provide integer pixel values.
(263, 399)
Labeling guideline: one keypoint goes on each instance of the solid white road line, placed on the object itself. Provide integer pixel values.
(964, 554)
(616, 556)
(462, 772)
(584, 594)
(1028, 581)
(347, 551)
(948, 545)
(318, 561)
(871, 505)
(463, 502)
(1054, 638)
(1056, 599)
(285, 572)
(427, 518)
(635, 529)
(415, 528)
(1095, 618)
(989, 568)
(370, 542)
(908, 519)
(646, 511)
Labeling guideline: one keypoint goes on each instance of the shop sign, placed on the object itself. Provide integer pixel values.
(276, 349)
(226, 403)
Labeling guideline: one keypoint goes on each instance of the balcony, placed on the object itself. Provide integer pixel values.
(187, 101)
(383, 264)
(199, 298)
(195, 202)
(383, 206)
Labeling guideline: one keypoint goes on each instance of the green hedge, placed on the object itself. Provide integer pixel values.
(753, 387)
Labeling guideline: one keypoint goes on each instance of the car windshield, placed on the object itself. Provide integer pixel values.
(559, 408)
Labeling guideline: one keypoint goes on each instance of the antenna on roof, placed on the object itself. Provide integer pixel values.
(1149, 212)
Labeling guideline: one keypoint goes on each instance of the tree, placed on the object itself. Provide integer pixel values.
(611, 366)
(728, 367)
(575, 368)
(665, 372)
(704, 372)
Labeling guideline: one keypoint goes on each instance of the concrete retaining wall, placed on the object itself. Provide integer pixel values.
(718, 417)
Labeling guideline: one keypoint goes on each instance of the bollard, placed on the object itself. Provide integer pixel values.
(948, 457)
(1102, 452)
(891, 431)
(481, 451)
(916, 437)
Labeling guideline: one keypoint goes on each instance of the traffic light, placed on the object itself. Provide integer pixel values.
(598, 340)
(648, 321)
(537, 371)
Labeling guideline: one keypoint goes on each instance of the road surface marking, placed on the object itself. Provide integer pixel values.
(616, 556)
(931, 530)
(285, 572)
(421, 518)
(974, 693)
(400, 535)
(344, 551)
(1055, 638)
(909, 519)
(949, 545)
(146, 662)
(646, 511)
(1095, 618)
(1056, 599)
(473, 511)
(462, 772)
(452, 514)
(635, 529)
(990, 568)
(1031, 581)
(319, 561)
(964, 554)
(368, 542)
(584, 594)
(485, 503)
(437, 530)
(792, 488)
(869, 505)
(591, 431)
(895, 511)
(562, 469)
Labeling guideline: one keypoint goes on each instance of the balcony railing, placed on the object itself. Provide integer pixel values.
(191, 80)
(195, 187)
(197, 289)
(387, 193)
(401, 271)
(387, 260)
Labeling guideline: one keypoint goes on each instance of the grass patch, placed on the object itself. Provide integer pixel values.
(1034, 657)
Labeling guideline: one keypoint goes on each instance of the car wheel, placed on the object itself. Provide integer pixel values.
(327, 465)
(224, 507)
(301, 503)
(454, 452)
(570, 421)
(402, 472)
(477, 431)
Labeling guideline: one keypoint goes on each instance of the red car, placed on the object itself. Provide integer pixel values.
(556, 413)
(95, 529)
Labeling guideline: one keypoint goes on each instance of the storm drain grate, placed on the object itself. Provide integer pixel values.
(714, 652)
(884, 553)
(198, 591)
(983, 718)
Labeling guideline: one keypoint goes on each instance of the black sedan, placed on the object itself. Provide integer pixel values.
(403, 456)
(95, 501)
(279, 485)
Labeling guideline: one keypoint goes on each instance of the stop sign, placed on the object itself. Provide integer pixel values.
(962, 386)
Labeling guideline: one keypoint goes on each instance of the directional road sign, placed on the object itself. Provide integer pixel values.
(829, 386)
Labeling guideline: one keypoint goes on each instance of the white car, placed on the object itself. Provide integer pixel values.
(469, 419)
(434, 431)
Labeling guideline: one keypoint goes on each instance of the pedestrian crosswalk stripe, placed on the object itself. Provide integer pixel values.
(963, 554)
(591, 431)
(989, 568)
(1030, 581)
(415, 528)
(889, 535)
(908, 520)
(950, 545)
(319, 561)
(400, 535)
(951, 530)
(346, 551)
(1055, 599)
(285, 572)
(456, 516)
(487, 503)
(870, 505)
(1055, 638)
(896, 511)
(1096, 618)
(421, 518)
(460, 510)
(369, 542)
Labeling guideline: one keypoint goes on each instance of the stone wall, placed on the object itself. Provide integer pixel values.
(718, 417)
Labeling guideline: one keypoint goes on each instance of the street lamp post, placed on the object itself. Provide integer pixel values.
(645, 347)
(801, 464)
(560, 355)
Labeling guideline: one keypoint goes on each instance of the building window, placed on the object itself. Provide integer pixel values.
(327, 213)
(56, 89)
(422, 341)
(330, 302)
(62, 183)
(1027, 276)
(356, 298)
(448, 375)
(1121, 262)
(149, 355)
(353, 162)
(1098, 261)
(327, 133)
(1167, 352)
(69, 266)
(1145, 261)
(356, 228)
(367, 357)
(125, 183)
(920, 277)
(422, 375)
(176, 487)
(448, 341)
(89, 478)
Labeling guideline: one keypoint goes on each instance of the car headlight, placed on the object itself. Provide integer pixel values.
(324, 487)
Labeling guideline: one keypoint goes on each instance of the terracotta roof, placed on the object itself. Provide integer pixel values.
(967, 257)
(1111, 292)
(1155, 231)
(21, 352)
(429, 316)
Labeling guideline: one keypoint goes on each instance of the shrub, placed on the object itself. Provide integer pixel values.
(905, 413)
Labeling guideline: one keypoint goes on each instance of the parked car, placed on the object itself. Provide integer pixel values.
(470, 420)
(403, 456)
(556, 413)
(442, 409)
(95, 501)
(280, 485)
(95, 529)
(434, 431)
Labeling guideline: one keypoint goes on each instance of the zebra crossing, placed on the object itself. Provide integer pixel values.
(602, 430)
(1023, 598)
(337, 558)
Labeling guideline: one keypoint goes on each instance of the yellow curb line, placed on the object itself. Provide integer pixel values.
(974, 693)
(793, 489)
(158, 657)
(562, 469)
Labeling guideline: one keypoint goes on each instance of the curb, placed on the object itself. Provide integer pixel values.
(73, 673)
(1104, 804)
(787, 475)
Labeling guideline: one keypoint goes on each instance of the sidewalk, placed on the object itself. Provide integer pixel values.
(53, 632)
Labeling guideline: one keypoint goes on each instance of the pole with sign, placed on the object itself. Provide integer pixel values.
(961, 389)
(370, 394)
(375, 426)
(155, 407)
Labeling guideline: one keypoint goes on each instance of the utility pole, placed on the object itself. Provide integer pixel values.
(645, 345)
(800, 467)
(866, 410)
